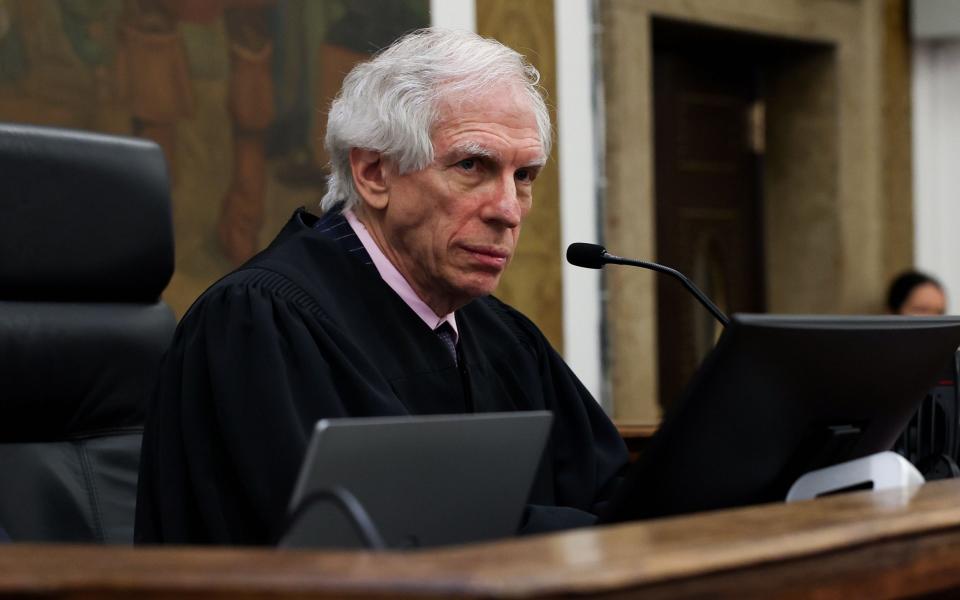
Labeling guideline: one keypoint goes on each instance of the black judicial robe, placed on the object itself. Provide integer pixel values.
(305, 331)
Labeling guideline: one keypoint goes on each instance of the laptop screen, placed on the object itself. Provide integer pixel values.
(422, 480)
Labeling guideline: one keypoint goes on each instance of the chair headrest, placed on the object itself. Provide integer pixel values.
(83, 217)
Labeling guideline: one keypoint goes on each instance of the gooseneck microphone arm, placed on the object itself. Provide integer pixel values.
(593, 256)
(706, 302)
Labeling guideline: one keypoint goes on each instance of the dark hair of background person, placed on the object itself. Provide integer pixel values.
(905, 283)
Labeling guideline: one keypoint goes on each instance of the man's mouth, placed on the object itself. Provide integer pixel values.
(495, 257)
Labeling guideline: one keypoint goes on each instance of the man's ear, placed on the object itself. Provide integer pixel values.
(370, 177)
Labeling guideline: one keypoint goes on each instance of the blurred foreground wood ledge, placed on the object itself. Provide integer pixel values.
(886, 544)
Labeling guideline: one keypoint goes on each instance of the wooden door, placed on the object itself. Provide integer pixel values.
(708, 152)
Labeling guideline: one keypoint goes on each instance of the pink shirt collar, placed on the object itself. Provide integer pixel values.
(396, 280)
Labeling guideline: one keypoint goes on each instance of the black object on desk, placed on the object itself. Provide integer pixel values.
(780, 396)
(931, 440)
(415, 481)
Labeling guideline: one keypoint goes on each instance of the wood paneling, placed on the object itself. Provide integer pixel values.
(532, 283)
(894, 543)
(897, 141)
(628, 211)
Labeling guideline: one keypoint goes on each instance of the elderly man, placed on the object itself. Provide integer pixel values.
(381, 307)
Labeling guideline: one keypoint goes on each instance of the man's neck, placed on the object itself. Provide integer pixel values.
(372, 220)
(367, 231)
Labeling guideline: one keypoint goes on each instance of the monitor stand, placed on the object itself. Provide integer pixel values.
(883, 470)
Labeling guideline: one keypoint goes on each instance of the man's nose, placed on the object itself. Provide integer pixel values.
(504, 204)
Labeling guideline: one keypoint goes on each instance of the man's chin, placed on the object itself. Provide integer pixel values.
(479, 287)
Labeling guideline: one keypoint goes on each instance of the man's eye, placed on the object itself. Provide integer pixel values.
(523, 175)
(467, 164)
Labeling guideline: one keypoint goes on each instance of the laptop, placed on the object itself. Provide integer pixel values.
(415, 481)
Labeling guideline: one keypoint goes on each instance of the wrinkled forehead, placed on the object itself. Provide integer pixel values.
(507, 105)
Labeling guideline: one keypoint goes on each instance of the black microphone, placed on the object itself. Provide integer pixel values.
(593, 256)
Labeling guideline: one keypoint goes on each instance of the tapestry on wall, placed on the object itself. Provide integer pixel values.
(235, 92)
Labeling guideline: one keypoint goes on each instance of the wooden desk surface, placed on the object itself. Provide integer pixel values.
(883, 544)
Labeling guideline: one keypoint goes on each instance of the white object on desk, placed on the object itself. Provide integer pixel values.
(880, 471)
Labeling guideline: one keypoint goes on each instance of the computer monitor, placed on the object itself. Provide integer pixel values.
(779, 396)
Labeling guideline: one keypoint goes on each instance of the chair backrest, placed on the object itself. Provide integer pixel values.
(86, 248)
(931, 440)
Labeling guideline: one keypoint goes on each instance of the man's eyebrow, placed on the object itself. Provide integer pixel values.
(474, 149)
(478, 149)
(537, 163)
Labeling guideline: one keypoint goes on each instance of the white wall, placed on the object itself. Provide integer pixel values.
(936, 163)
(454, 14)
(578, 162)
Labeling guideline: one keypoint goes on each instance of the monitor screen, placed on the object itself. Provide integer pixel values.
(779, 396)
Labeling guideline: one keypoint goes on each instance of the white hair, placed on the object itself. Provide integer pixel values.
(390, 103)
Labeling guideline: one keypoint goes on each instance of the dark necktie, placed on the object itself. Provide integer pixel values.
(446, 335)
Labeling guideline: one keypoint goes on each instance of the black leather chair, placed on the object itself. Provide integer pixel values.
(86, 248)
(931, 440)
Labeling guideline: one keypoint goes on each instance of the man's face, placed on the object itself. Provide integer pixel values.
(452, 227)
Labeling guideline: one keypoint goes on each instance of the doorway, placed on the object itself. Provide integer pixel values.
(708, 154)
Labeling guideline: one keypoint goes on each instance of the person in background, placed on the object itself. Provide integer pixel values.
(914, 293)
